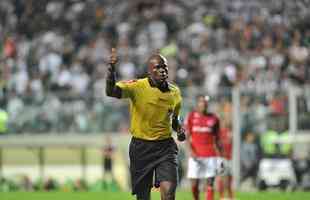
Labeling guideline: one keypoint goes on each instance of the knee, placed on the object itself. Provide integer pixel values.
(195, 186)
(210, 182)
(195, 183)
(168, 193)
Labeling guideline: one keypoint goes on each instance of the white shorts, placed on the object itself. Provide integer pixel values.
(228, 167)
(203, 167)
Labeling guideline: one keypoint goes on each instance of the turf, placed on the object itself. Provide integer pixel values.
(155, 196)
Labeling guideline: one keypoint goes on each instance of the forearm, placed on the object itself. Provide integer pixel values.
(177, 127)
(112, 89)
(176, 123)
(219, 147)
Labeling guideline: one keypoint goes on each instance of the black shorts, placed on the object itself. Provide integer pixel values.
(149, 157)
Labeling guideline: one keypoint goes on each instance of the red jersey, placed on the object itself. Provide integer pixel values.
(226, 141)
(202, 129)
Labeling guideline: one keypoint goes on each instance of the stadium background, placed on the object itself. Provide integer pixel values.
(251, 57)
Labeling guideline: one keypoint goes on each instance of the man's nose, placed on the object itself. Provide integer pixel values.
(162, 71)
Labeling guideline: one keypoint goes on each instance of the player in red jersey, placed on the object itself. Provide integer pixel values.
(203, 140)
(224, 183)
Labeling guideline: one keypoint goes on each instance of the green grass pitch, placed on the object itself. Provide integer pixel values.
(155, 196)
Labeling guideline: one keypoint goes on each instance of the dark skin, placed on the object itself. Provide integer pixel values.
(111, 89)
(158, 75)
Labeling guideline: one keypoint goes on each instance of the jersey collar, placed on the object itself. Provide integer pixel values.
(166, 88)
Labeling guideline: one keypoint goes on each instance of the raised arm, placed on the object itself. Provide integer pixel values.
(112, 89)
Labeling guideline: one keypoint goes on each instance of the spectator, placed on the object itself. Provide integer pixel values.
(249, 158)
(57, 46)
(26, 184)
(108, 157)
(3, 121)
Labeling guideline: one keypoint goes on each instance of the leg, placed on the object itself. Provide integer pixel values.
(195, 188)
(144, 195)
(245, 174)
(209, 188)
(167, 190)
(143, 189)
(220, 186)
(194, 173)
(141, 177)
(229, 187)
(166, 172)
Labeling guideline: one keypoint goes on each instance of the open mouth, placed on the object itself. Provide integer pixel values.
(163, 78)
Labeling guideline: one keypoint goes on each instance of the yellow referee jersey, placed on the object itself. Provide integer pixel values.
(151, 110)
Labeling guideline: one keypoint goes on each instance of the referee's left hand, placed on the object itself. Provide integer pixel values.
(181, 134)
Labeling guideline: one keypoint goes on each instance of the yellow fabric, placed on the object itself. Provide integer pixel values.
(268, 142)
(3, 121)
(150, 109)
(286, 147)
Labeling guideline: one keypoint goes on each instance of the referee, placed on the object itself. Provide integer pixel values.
(154, 109)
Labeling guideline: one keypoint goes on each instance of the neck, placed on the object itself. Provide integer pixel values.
(152, 82)
(161, 86)
(203, 112)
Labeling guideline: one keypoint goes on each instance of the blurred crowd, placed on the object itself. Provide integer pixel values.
(24, 183)
(54, 53)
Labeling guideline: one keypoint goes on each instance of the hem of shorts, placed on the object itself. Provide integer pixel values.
(147, 140)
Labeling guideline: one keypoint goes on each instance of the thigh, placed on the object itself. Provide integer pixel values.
(210, 167)
(167, 170)
(140, 169)
(193, 168)
(167, 190)
(143, 187)
(228, 170)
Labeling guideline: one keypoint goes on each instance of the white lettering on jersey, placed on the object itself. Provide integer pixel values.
(210, 122)
(201, 129)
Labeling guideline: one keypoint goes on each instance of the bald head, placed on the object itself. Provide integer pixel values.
(158, 68)
(157, 60)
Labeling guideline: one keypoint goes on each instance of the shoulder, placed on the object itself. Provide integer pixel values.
(173, 87)
(191, 115)
(131, 82)
(144, 81)
(214, 116)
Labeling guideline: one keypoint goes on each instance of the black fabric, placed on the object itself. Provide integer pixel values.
(149, 157)
(107, 164)
(112, 90)
(164, 87)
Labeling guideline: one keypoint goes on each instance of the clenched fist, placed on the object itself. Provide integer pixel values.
(181, 134)
(113, 57)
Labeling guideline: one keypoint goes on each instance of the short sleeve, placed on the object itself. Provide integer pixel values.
(128, 88)
(178, 103)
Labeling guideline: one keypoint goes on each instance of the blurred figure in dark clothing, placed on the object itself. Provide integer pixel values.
(249, 157)
(108, 151)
